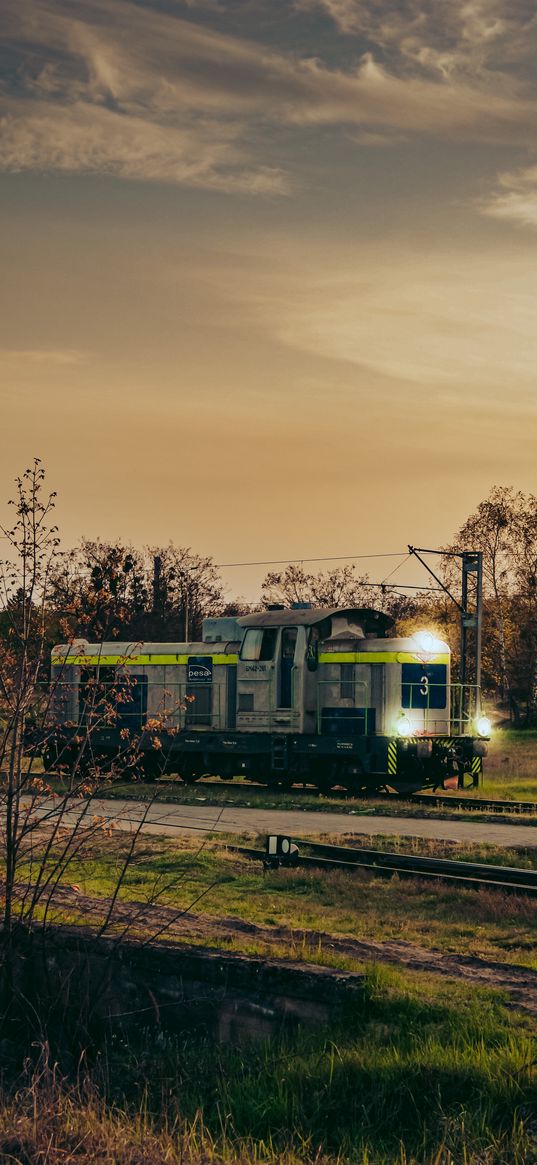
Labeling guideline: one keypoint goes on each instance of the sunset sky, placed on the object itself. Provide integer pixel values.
(269, 268)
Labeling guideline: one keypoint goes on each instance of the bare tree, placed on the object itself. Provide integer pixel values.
(48, 826)
(187, 589)
(339, 587)
(41, 834)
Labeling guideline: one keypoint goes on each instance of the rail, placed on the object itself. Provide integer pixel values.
(471, 875)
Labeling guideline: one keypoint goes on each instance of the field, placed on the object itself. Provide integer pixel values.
(209, 895)
(434, 1065)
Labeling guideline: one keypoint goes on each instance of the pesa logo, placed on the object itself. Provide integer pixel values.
(199, 671)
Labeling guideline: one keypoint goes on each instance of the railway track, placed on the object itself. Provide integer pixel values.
(433, 800)
(471, 875)
(489, 804)
(436, 800)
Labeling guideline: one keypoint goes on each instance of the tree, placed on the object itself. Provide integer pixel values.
(41, 834)
(338, 587)
(105, 590)
(187, 588)
(100, 591)
(504, 528)
(492, 529)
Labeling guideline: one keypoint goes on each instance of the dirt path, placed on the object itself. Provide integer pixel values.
(166, 820)
(139, 920)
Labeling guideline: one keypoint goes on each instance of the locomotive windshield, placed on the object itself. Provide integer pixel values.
(259, 643)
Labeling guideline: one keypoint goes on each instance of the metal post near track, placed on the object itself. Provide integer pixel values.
(472, 616)
(470, 610)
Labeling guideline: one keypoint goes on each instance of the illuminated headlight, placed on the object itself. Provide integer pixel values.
(402, 725)
(483, 726)
(427, 641)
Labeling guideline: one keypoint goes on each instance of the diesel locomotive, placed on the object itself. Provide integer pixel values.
(326, 697)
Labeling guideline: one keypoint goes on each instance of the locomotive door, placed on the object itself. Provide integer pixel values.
(256, 679)
(287, 662)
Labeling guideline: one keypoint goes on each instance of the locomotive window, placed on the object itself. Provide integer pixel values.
(259, 643)
(246, 702)
(96, 691)
(346, 685)
(424, 685)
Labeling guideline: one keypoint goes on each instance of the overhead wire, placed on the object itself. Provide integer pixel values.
(290, 561)
(404, 559)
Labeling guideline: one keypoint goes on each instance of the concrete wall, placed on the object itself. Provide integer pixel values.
(231, 996)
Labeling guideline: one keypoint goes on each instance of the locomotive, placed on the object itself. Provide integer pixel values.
(320, 696)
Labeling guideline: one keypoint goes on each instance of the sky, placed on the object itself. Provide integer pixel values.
(269, 274)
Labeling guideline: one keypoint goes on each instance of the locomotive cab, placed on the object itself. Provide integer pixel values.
(281, 686)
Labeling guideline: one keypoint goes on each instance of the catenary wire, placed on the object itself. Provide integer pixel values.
(395, 569)
(329, 558)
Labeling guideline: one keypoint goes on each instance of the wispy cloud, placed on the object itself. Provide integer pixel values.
(140, 93)
(20, 358)
(427, 323)
(461, 36)
(515, 199)
(82, 137)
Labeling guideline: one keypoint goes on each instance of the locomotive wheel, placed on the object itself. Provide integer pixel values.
(152, 766)
(189, 775)
(49, 756)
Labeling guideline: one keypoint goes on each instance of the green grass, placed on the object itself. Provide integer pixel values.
(510, 771)
(411, 1073)
(221, 885)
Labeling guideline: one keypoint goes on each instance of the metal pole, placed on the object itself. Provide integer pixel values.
(464, 629)
(157, 564)
(479, 627)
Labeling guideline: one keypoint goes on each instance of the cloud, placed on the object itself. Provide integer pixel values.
(126, 91)
(20, 358)
(132, 91)
(83, 138)
(462, 36)
(516, 198)
(455, 323)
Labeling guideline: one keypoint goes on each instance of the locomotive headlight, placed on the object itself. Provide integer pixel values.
(427, 641)
(402, 725)
(483, 726)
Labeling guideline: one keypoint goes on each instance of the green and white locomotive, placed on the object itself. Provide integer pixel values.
(324, 697)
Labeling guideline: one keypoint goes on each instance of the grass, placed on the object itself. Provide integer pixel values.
(411, 1074)
(510, 771)
(221, 888)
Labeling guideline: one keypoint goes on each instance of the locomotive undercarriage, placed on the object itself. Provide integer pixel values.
(360, 764)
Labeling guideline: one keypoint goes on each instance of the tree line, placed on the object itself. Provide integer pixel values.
(110, 590)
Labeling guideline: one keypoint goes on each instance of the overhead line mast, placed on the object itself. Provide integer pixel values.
(470, 608)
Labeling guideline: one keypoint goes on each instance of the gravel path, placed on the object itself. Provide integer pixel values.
(165, 820)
